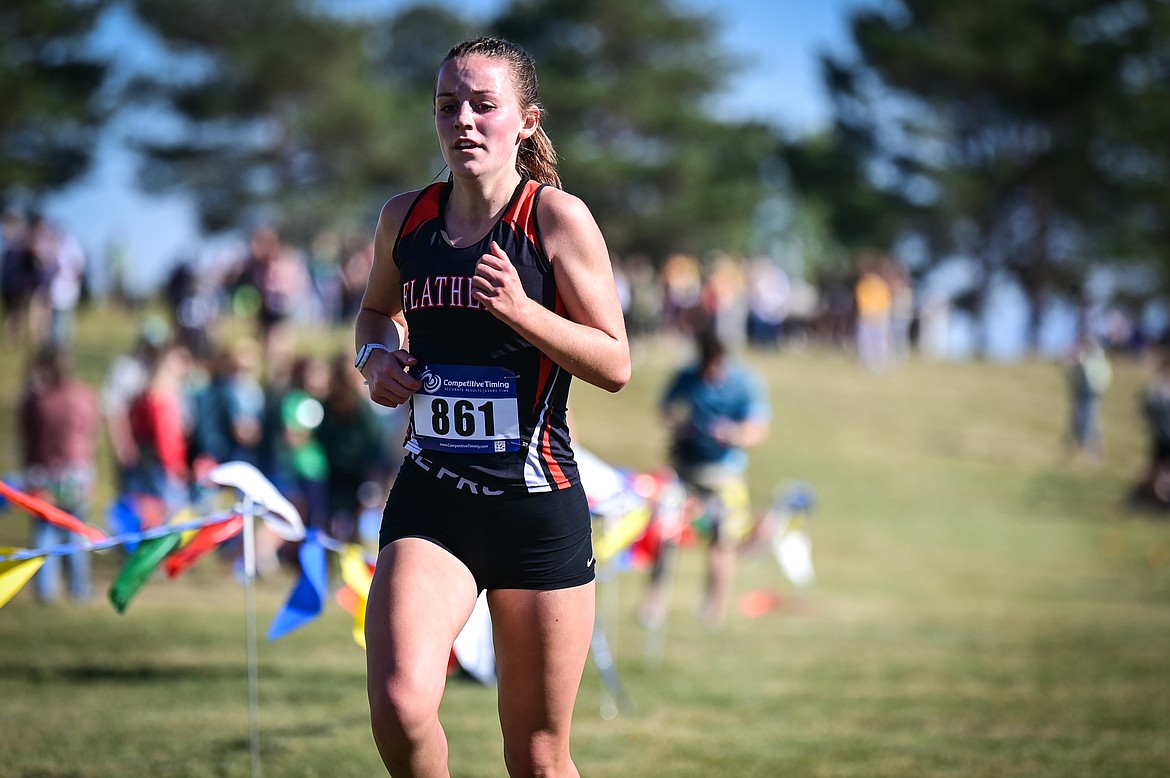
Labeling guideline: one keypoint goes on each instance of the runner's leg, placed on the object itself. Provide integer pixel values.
(420, 599)
(542, 643)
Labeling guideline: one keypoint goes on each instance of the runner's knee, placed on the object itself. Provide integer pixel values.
(542, 754)
(403, 708)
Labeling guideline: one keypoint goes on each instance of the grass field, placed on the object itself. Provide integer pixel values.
(985, 606)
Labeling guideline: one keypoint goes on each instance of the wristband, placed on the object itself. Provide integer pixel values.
(363, 355)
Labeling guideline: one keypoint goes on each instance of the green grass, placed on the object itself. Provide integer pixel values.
(985, 606)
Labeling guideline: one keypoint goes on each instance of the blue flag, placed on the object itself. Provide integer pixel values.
(124, 519)
(308, 596)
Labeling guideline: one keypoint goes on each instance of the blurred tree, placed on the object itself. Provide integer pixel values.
(50, 90)
(829, 169)
(986, 117)
(628, 89)
(287, 109)
(407, 48)
(282, 114)
(1132, 148)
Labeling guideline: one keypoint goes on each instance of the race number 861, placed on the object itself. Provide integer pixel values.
(462, 417)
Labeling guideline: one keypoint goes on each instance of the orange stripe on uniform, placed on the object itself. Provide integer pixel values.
(546, 456)
(554, 467)
(425, 209)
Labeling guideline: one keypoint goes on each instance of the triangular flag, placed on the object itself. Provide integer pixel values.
(308, 596)
(51, 513)
(620, 532)
(139, 567)
(123, 517)
(182, 516)
(206, 540)
(358, 576)
(793, 550)
(14, 575)
(280, 515)
(349, 600)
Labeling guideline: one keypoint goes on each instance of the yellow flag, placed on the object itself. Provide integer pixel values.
(357, 576)
(183, 515)
(14, 575)
(614, 539)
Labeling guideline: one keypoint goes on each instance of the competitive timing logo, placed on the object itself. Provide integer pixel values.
(431, 382)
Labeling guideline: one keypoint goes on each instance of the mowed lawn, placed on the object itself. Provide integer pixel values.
(985, 605)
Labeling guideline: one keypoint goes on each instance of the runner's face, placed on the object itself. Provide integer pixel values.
(478, 116)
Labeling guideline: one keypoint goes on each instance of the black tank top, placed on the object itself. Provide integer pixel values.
(496, 419)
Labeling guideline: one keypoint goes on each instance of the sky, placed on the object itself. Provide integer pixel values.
(777, 41)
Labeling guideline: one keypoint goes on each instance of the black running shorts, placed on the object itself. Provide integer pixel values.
(514, 540)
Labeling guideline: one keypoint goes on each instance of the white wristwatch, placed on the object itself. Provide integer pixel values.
(363, 355)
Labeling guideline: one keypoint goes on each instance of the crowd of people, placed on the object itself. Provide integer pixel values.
(170, 416)
(42, 278)
(181, 401)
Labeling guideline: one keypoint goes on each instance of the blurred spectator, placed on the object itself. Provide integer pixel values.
(125, 379)
(716, 409)
(725, 301)
(59, 425)
(644, 316)
(276, 279)
(353, 440)
(64, 262)
(768, 297)
(20, 275)
(392, 423)
(901, 308)
(43, 241)
(874, 302)
(354, 272)
(157, 422)
(836, 323)
(1156, 412)
(800, 319)
(324, 266)
(293, 458)
(227, 413)
(1089, 377)
(681, 285)
(193, 309)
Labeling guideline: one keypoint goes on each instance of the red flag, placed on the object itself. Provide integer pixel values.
(205, 540)
(51, 513)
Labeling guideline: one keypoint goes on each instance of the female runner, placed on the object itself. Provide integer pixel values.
(488, 292)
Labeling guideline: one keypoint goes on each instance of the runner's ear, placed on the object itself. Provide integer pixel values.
(531, 123)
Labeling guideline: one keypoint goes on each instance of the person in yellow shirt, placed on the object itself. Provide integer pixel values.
(874, 305)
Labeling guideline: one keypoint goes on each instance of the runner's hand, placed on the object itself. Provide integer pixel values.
(496, 286)
(387, 374)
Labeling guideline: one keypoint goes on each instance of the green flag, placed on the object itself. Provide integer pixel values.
(140, 566)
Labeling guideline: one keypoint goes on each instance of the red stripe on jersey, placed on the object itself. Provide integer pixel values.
(425, 208)
(554, 467)
(546, 453)
(546, 364)
(522, 215)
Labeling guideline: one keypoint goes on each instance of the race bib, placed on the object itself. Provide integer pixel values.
(466, 409)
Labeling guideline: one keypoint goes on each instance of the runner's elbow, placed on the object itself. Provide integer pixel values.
(613, 380)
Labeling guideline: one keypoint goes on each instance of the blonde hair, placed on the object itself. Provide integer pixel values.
(537, 158)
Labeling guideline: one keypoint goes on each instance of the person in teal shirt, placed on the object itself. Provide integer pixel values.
(716, 409)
